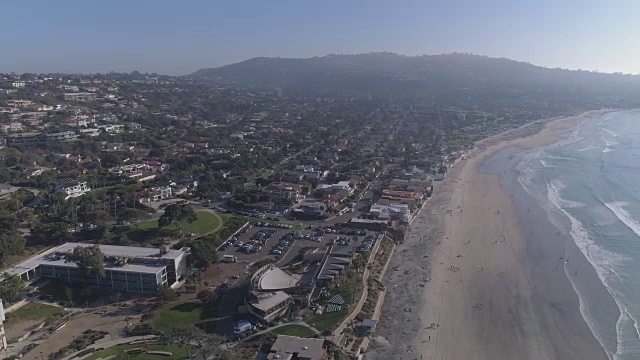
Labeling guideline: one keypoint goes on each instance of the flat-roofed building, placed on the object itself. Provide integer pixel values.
(128, 269)
(292, 347)
(80, 96)
(269, 306)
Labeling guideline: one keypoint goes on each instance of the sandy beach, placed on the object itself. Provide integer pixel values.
(470, 285)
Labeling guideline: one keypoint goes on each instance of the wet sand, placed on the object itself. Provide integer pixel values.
(471, 285)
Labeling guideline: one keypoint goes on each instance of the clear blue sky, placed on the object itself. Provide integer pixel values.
(181, 36)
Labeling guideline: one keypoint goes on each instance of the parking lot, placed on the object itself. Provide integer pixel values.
(256, 243)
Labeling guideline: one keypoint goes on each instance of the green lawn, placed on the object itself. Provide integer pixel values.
(35, 311)
(205, 223)
(178, 352)
(327, 321)
(148, 230)
(185, 313)
(294, 330)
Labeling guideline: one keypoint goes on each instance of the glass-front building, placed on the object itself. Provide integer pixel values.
(128, 269)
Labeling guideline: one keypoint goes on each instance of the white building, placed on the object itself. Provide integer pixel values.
(72, 188)
(18, 84)
(161, 193)
(395, 211)
(3, 337)
(112, 129)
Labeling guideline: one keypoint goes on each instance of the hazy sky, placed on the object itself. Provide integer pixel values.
(181, 36)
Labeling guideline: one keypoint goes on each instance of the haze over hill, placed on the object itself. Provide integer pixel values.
(440, 76)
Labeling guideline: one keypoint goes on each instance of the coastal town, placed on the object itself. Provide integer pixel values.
(167, 216)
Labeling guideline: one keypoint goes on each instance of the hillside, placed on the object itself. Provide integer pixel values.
(432, 75)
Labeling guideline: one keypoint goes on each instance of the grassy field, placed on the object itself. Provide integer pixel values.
(148, 230)
(205, 223)
(294, 330)
(35, 311)
(185, 313)
(178, 352)
(327, 321)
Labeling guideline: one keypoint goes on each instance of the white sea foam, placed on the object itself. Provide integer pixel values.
(609, 142)
(618, 209)
(556, 186)
(603, 261)
(606, 150)
(561, 158)
(546, 164)
(611, 132)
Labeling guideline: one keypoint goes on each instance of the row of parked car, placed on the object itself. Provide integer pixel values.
(274, 225)
(367, 244)
(285, 241)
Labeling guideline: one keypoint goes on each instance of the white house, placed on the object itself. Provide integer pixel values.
(72, 188)
(161, 193)
(18, 84)
(396, 211)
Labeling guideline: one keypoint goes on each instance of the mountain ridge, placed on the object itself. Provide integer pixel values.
(424, 74)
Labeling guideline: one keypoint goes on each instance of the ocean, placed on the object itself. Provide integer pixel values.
(589, 186)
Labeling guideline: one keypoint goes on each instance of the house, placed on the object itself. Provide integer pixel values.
(156, 166)
(161, 193)
(400, 212)
(11, 127)
(90, 132)
(80, 96)
(62, 136)
(112, 129)
(19, 103)
(71, 188)
(310, 208)
(292, 347)
(24, 138)
(283, 192)
(18, 84)
(342, 188)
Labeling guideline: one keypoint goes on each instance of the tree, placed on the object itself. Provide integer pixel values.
(11, 287)
(177, 214)
(206, 296)
(11, 244)
(183, 336)
(166, 293)
(88, 258)
(202, 254)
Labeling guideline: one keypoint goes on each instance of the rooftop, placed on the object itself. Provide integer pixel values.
(277, 279)
(270, 300)
(149, 254)
(304, 348)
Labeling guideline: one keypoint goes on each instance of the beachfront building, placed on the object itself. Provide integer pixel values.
(3, 336)
(128, 269)
(292, 347)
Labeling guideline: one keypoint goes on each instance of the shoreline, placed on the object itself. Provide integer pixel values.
(490, 304)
